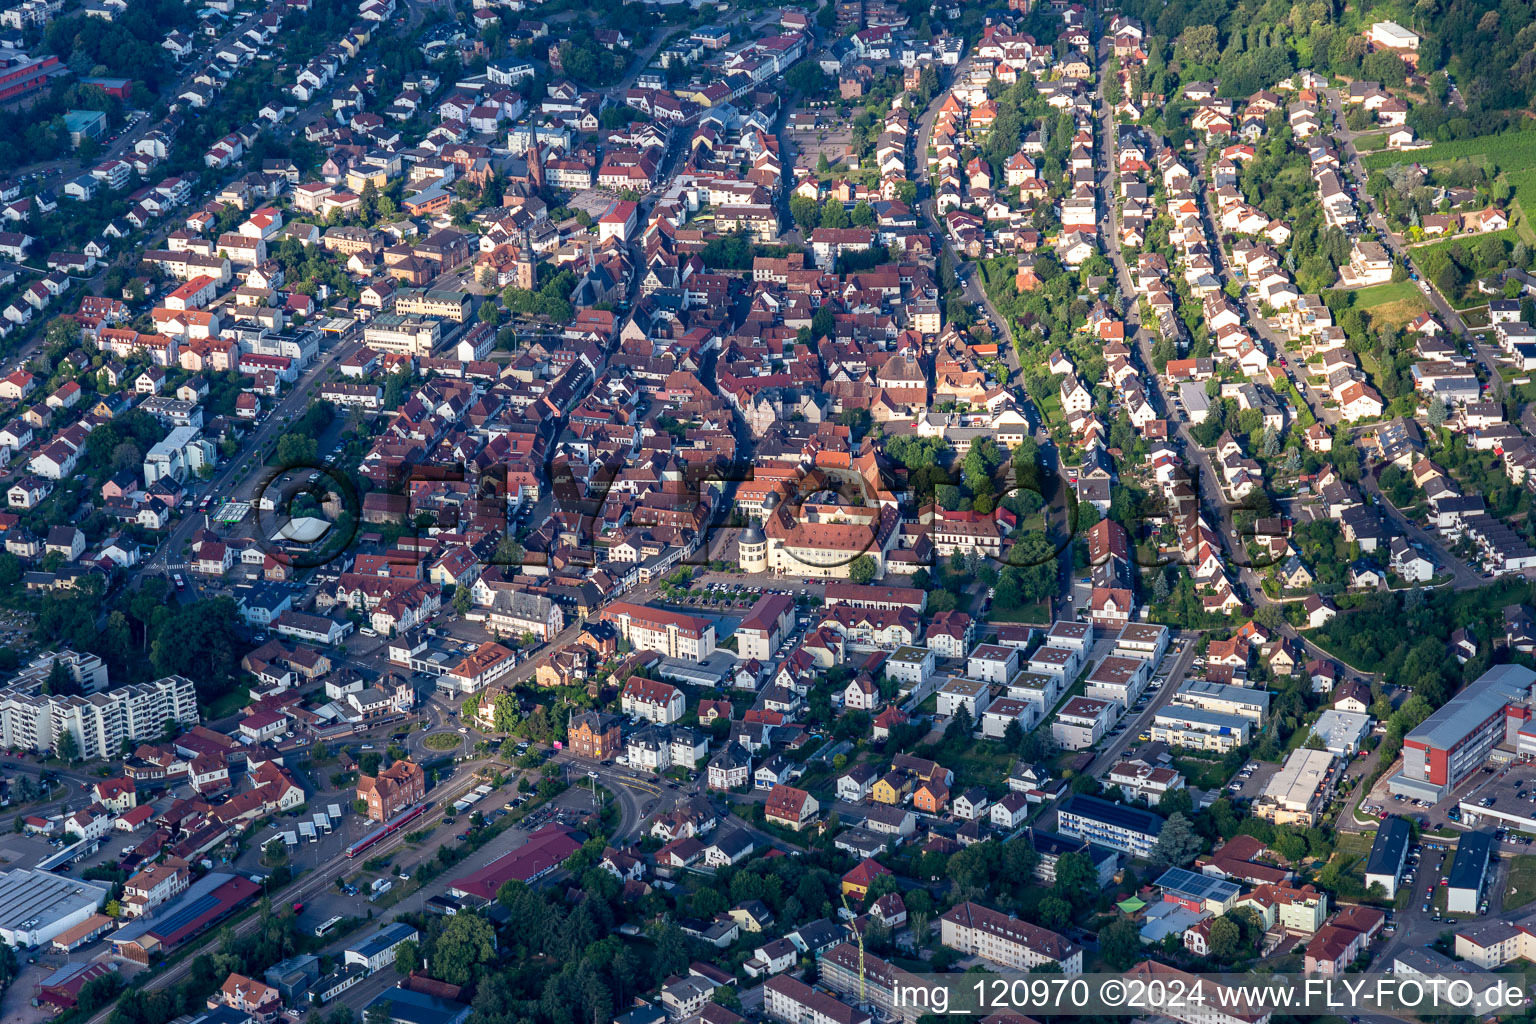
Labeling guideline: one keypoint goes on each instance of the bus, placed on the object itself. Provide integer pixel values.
(322, 930)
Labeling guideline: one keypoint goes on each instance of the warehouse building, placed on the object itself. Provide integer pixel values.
(37, 905)
(208, 901)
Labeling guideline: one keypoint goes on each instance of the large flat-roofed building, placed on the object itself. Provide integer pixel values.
(1389, 853)
(99, 723)
(20, 74)
(1108, 824)
(1119, 678)
(1181, 726)
(403, 335)
(378, 950)
(1142, 640)
(1468, 872)
(1083, 721)
(1224, 698)
(1051, 847)
(911, 666)
(1341, 732)
(1455, 741)
(35, 906)
(1299, 790)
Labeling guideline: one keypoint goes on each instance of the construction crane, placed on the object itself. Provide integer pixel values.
(859, 936)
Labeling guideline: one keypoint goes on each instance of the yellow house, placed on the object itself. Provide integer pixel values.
(892, 789)
(359, 177)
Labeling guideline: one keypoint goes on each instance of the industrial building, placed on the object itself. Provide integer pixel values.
(547, 847)
(37, 905)
(1198, 892)
(208, 901)
(1455, 741)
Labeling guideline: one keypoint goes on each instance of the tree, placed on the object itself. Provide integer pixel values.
(1120, 943)
(69, 747)
(1226, 939)
(407, 957)
(1077, 880)
(1054, 913)
(862, 569)
(806, 213)
(378, 1012)
(466, 943)
(461, 600)
(1177, 843)
(823, 322)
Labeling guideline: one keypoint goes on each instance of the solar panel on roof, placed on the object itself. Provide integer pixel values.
(185, 915)
(1197, 886)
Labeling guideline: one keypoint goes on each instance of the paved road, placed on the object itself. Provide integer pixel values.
(228, 481)
(315, 882)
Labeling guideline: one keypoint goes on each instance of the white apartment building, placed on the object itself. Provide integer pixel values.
(99, 723)
(673, 634)
(976, 930)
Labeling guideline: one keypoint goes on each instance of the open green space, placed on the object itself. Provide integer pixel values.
(229, 703)
(443, 741)
(1509, 151)
(1520, 890)
(1396, 302)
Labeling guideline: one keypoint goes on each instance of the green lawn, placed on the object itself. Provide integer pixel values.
(985, 764)
(1203, 773)
(229, 703)
(1521, 887)
(1395, 302)
(1383, 294)
(1033, 614)
(1371, 143)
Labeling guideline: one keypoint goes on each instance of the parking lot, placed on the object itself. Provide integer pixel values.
(1504, 799)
